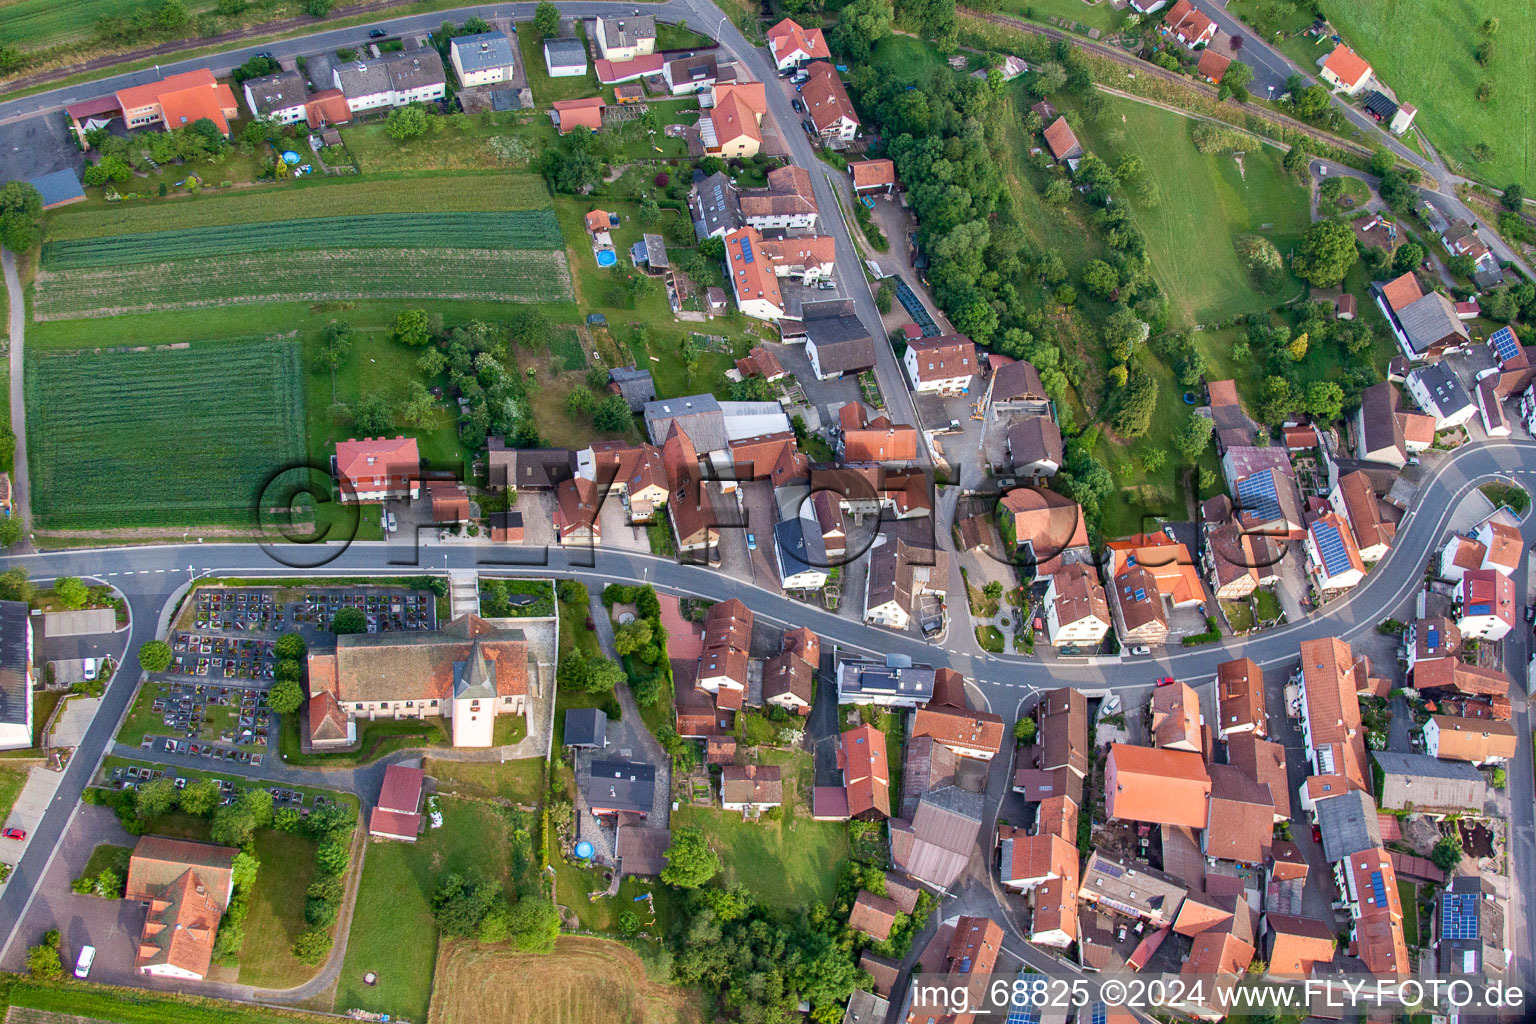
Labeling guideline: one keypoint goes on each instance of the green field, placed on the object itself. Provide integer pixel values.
(1424, 50)
(203, 427)
(523, 229)
(36, 23)
(393, 932)
(1101, 15)
(1206, 201)
(83, 1000)
(277, 911)
(311, 198)
(788, 862)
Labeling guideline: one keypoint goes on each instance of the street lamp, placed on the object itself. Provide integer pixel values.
(719, 27)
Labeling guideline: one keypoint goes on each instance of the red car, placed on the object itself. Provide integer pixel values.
(14, 833)
(1166, 681)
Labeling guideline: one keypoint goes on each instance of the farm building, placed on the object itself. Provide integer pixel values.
(59, 188)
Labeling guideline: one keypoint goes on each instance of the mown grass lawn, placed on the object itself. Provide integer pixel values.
(12, 780)
(393, 932)
(1205, 202)
(547, 90)
(1102, 16)
(108, 856)
(1424, 50)
(277, 911)
(80, 999)
(520, 781)
(789, 862)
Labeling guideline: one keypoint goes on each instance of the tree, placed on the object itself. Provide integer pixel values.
(1237, 77)
(407, 122)
(690, 861)
(1408, 256)
(1297, 160)
(461, 901)
(412, 327)
(546, 19)
(71, 592)
(1297, 349)
(154, 656)
(1194, 436)
(1100, 279)
(1484, 52)
(632, 636)
(290, 645)
(155, 798)
(1059, 193)
(201, 797)
(256, 67)
(285, 697)
(993, 591)
(533, 925)
(1124, 332)
(1324, 400)
(1276, 400)
(1024, 731)
(21, 205)
(171, 15)
(1447, 853)
(1138, 401)
(234, 824)
(312, 944)
(861, 25)
(613, 415)
(1326, 254)
(1513, 197)
(1261, 259)
(371, 414)
(349, 620)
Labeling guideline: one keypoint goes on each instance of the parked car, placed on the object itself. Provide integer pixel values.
(798, 104)
(13, 832)
(809, 126)
(1165, 681)
(377, 33)
(1140, 651)
(393, 526)
(90, 667)
(1530, 613)
(83, 964)
(751, 542)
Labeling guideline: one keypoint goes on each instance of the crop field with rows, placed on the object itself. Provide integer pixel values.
(320, 197)
(515, 275)
(150, 437)
(522, 229)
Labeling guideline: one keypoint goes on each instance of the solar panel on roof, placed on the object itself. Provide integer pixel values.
(746, 249)
(1458, 916)
(1256, 495)
(1331, 547)
(1504, 343)
(1141, 595)
(1378, 888)
(1099, 1014)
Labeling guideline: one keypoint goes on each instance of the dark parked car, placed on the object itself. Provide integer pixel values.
(798, 104)
(377, 33)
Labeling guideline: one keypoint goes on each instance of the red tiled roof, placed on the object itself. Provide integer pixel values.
(1347, 65)
(866, 775)
(1060, 137)
(873, 173)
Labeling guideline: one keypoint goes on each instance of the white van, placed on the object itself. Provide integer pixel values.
(83, 965)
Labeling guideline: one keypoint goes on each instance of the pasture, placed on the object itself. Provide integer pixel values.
(33, 24)
(584, 979)
(302, 200)
(204, 426)
(318, 275)
(1425, 49)
(1205, 200)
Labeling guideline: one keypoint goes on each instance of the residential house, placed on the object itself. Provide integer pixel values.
(715, 205)
(281, 97)
(1267, 504)
(16, 675)
(1175, 717)
(1368, 885)
(570, 115)
(527, 469)
(873, 915)
(1468, 933)
(467, 670)
(1062, 141)
(1043, 867)
(891, 683)
(1237, 562)
(565, 57)
(905, 569)
(577, 505)
(612, 788)
(873, 175)
(449, 501)
(1354, 498)
(1430, 639)
(1334, 560)
(1461, 239)
(325, 108)
(635, 473)
(1188, 25)
(1042, 529)
(1349, 823)
(1140, 616)
(1168, 787)
(1076, 611)
(1426, 326)
(1240, 705)
(391, 80)
(806, 258)
(1385, 432)
(1344, 70)
(397, 815)
(866, 773)
(877, 442)
(1428, 785)
(700, 418)
(1241, 821)
(1476, 740)
(935, 846)
(787, 204)
(1503, 548)
(792, 45)
(800, 549)
(828, 106)
(722, 667)
(1213, 66)
(945, 364)
(377, 469)
(752, 276)
(1330, 712)
(1449, 679)
(968, 965)
(1131, 888)
(761, 362)
(187, 887)
(969, 733)
(1149, 570)
(483, 59)
(172, 102)
(838, 345)
(751, 789)
(619, 72)
(635, 386)
(1294, 947)
(731, 127)
(1438, 392)
(1262, 761)
(1062, 715)
(691, 74)
(620, 39)
(1486, 604)
(789, 682)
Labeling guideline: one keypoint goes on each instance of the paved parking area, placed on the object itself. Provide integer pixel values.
(761, 511)
(28, 811)
(538, 509)
(37, 146)
(617, 531)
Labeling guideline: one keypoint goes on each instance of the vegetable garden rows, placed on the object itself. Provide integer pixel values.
(314, 198)
(518, 275)
(202, 427)
(525, 229)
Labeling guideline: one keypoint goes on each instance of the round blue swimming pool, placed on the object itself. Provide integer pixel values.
(584, 850)
(606, 258)
(290, 157)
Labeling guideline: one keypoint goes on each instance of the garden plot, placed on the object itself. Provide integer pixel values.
(516, 275)
(204, 426)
